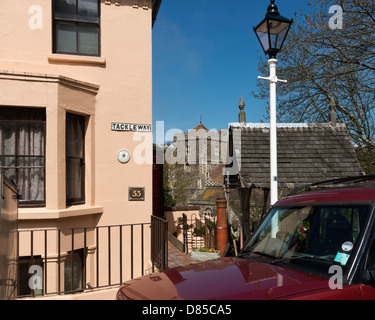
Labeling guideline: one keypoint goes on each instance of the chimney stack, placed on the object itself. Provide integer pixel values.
(242, 114)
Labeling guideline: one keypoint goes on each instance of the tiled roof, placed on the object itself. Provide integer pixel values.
(306, 153)
(200, 127)
(217, 173)
(212, 193)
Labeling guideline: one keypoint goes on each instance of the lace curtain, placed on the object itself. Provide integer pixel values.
(22, 151)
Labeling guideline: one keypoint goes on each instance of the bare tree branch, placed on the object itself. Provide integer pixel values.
(320, 62)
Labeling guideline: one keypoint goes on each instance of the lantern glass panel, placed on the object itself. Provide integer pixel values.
(264, 41)
(278, 32)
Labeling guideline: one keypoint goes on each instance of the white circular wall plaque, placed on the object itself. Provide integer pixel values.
(123, 156)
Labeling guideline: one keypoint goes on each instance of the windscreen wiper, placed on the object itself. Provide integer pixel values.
(246, 253)
(276, 261)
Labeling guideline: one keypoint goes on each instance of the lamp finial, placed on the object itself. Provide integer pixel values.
(272, 9)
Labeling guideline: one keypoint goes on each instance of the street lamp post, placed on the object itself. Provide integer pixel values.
(271, 33)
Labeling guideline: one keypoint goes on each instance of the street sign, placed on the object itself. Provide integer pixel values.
(133, 127)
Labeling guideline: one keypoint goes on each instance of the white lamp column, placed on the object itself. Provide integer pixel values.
(273, 130)
(271, 33)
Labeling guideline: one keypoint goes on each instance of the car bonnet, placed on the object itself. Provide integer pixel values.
(222, 279)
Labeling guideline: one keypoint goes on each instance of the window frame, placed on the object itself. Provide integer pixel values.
(82, 199)
(17, 168)
(76, 22)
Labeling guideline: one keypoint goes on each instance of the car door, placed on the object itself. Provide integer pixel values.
(368, 292)
(368, 289)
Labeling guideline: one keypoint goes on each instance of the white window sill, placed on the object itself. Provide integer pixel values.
(45, 214)
(76, 59)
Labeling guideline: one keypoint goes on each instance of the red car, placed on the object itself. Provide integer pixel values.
(313, 245)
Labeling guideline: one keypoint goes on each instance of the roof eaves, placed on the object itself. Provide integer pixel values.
(155, 10)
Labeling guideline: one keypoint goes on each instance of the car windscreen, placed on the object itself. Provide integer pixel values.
(309, 234)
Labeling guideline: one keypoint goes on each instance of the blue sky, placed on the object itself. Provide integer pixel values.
(205, 57)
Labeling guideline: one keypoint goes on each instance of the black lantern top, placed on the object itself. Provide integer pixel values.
(272, 31)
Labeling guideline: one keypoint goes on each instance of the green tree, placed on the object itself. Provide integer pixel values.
(178, 184)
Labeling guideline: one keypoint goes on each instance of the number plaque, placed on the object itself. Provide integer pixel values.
(136, 194)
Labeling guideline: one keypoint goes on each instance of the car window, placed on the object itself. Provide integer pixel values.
(328, 232)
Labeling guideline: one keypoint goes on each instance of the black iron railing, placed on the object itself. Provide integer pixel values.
(199, 231)
(159, 243)
(62, 261)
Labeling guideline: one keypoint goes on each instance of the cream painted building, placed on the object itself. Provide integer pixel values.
(75, 76)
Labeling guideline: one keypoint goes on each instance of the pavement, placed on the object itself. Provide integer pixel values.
(177, 258)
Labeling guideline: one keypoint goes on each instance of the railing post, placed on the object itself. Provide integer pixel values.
(131, 252)
(120, 254)
(18, 261)
(152, 244)
(142, 250)
(97, 257)
(109, 255)
(84, 258)
(165, 244)
(72, 262)
(184, 232)
(58, 262)
(45, 263)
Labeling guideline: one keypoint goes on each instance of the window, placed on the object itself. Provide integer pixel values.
(75, 162)
(217, 150)
(73, 271)
(22, 152)
(76, 27)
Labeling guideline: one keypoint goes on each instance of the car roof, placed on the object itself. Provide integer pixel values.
(362, 192)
